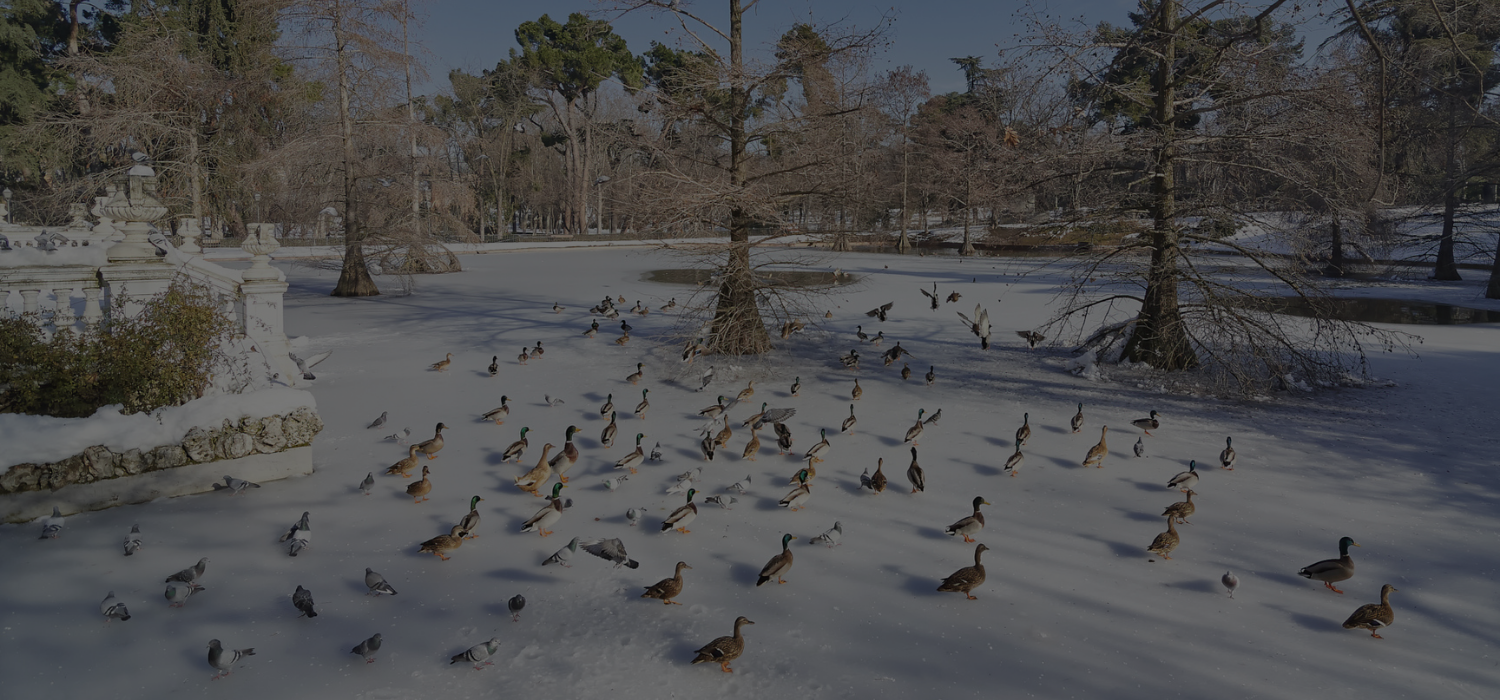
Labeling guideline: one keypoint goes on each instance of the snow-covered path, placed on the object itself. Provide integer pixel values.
(1071, 608)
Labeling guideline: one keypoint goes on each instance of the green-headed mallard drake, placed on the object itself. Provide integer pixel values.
(1166, 541)
(849, 422)
(915, 432)
(418, 490)
(1013, 463)
(548, 515)
(817, 452)
(607, 436)
(443, 543)
(405, 466)
(538, 476)
(724, 649)
(915, 475)
(640, 371)
(1023, 433)
(442, 365)
(470, 522)
(783, 438)
(524, 356)
(1147, 424)
(634, 458)
(1182, 510)
(431, 447)
(593, 329)
(566, 457)
(971, 525)
(499, 414)
(640, 408)
(537, 351)
(714, 410)
(516, 448)
(1098, 452)
(796, 385)
(746, 392)
(609, 406)
(1078, 419)
(965, 580)
(752, 420)
(857, 391)
(1374, 616)
(1227, 457)
(680, 518)
(797, 499)
(878, 480)
(752, 447)
(1185, 480)
(668, 588)
(779, 564)
(1330, 571)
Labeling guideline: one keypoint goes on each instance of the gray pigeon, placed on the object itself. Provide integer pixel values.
(224, 660)
(368, 648)
(52, 525)
(133, 540)
(178, 593)
(515, 605)
(740, 486)
(376, 583)
(656, 453)
(237, 486)
(551, 402)
(614, 482)
(564, 555)
(932, 420)
(478, 653)
(302, 600)
(831, 537)
(400, 436)
(191, 574)
(300, 535)
(721, 501)
(612, 549)
(708, 377)
(113, 609)
(367, 484)
(1140, 447)
(378, 421)
(634, 516)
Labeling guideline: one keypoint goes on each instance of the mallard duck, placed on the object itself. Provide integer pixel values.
(857, 391)
(516, 448)
(849, 422)
(967, 527)
(524, 356)
(634, 458)
(796, 385)
(593, 329)
(797, 499)
(783, 438)
(640, 408)
(714, 410)
(622, 340)
(859, 332)
(607, 436)
(932, 296)
(680, 518)
(708, 446)
(810, 471)
(1147, 424)
(1013, 463)
(406, 465)
(965, 580)
(671, 304)
(431, 447)
(1098, 452)
(915, 475)
(498, 414)
(494, 365)
(567, 457)
(905, 372)
(816, 453)
(878, 480)
(877, 338)
(931, 375)
(622, 298)
(635, 377)
(1032, 338)
(1166, 541)
(752, 447)
(548, 515)
(609, 405)
(1182, 510)
(1227, 457)
(1374, 616)
(668, 588)
(1330, 571)
(850, 361)
(915, 431)
(747, 392)
(879, 311)
(419, 489)
(722, 439)
(724, 649)
(442, 365)
(779, 564)
(538, 476)
(470, 522)
(557, 308)
(1023, 433)
(1185, 480)
(954, 297)
(1078, 419)
(443, 543)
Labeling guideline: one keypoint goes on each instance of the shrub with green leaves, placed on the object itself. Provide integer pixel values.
(164, 355)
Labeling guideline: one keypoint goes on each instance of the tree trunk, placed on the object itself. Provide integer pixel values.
(1159, 337)
(354, 278)
(1335, 266)
(1493, 290)
(1447, 268)
(73, 25)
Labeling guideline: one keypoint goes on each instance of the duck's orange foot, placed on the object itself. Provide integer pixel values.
(632, 470)
(1372, 634)
(968, 538)
(684, 530)
(726, 668)
(563, 479)
(1331, 587)
(546, 532)
(440, 556)
(672, 602)
(971, 597)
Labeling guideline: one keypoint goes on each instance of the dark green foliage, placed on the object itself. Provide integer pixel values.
(574, 58)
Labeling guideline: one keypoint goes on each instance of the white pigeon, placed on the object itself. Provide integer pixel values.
(378, 421)
(656, 453)
(400, 437)
(741, 486)
(1230, 582)
(238, 486)
(708, 376)
(52, 525)
(368, 483)
(224, 659)
(612, 549)
(1140, 447)
(376, 583)
(681, 486)
(478, 653)
(722, 501)
(368, 648)
(300, 535)
(113, 609)
(634, 516)
(551, 402)
(562, 556)
(830, 537)
(614, 482)
(690, 474)
(178, 593)
(133, 540)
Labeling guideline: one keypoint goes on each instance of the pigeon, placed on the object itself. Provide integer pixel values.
(113, 609)
(634, 516)
(690, 474)
(515, 605)
(864, 479)
(1140, 447)
(478, 653)
(376, 583)
(1229, 580)
(708, 376)
(740, 486)
(368, 483)
(302, 600)
(300, 535)
(378, 422)
(191, 574)
(614, 482)
(224, 660)
(562, 556)
(238, 486)
(52, 525)
(680, 487)
(656, 453)
(305, 366)
(368, 648)
(551, 402)
(178, 593)
(133, 540)
(933, 419)
(722, 501)
(612, 549)
(830, 537)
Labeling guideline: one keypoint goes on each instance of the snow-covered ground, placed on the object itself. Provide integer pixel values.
(1073, 606)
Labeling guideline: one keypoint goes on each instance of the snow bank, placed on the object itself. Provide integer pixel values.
(41, 439)
(89, 255)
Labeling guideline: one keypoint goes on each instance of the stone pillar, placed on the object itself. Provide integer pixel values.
(62, 315)
(135, 272)
(261, 302)
(104, 230)
(29, 303)
(92, 314)
(189, 229)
